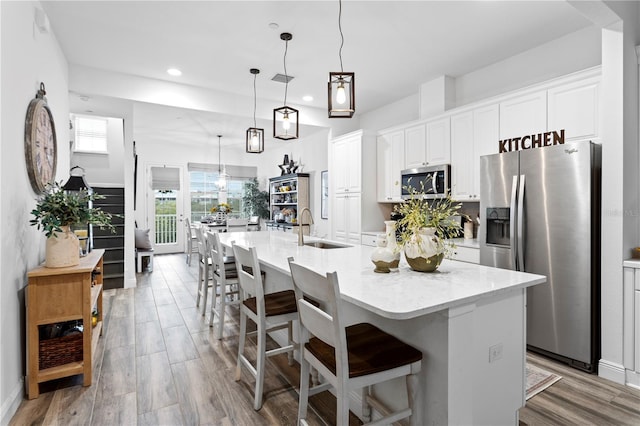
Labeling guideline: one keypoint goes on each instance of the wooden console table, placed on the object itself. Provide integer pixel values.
(58, 295)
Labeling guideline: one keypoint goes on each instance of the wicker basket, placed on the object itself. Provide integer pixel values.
(60, 350)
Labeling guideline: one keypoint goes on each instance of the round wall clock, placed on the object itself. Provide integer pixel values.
(40, 142)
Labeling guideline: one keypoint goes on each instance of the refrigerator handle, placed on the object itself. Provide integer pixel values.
(512, 222)
(521, 225)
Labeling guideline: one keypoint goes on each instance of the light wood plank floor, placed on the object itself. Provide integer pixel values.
(158, 363)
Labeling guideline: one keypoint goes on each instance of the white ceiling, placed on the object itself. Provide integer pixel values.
(392, 46)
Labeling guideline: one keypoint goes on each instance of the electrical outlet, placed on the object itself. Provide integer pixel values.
(495, 352)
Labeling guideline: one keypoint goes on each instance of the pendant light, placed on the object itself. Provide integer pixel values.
(341, 86)
(255, 136)
(222, 170)
(285, 118)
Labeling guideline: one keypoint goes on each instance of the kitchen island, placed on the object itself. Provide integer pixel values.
(468, 320)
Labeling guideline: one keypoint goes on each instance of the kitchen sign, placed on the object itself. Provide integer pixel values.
(539, 140)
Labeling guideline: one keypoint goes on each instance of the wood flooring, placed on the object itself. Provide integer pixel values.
(158, 363)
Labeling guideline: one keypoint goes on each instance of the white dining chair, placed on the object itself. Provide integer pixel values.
(190, 239)
(204, 269)
(225, 278)
(270, 312)
(348, 358)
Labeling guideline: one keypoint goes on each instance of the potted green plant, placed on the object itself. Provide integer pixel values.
(56, 212)
(425, 226)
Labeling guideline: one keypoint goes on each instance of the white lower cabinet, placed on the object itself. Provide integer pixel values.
(346, 221)
(466, 254)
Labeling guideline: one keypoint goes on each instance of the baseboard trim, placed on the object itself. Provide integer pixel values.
(11, 404)
(611, 371)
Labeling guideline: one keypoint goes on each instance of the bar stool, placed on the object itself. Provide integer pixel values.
(225, 277)
(355, 357)
(270, 312)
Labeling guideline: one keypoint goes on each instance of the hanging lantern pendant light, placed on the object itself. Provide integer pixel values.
(285, 118)
(255, 136)
(341, 86)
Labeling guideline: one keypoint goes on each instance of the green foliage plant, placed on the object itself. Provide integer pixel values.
(56, 208)
(255, 202)
(418, 213)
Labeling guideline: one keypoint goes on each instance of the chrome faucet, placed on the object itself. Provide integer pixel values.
(301, 223)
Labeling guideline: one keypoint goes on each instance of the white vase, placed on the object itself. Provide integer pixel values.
(63, 249)
(423, 251)
(392, 243)
(383, 257)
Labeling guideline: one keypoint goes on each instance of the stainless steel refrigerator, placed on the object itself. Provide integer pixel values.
(540, 213)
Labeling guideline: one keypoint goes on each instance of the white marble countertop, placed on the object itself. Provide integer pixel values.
(398, 295)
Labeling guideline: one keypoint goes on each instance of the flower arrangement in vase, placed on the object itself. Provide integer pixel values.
(424, 228)
(56, 211)
(222, 208)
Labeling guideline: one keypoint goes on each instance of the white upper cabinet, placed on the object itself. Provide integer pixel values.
(438, 142)
(415, 146)
(463, 157)
(574, 107)
(524, 115)
(347, 158)
(390, 162)
(473, 134)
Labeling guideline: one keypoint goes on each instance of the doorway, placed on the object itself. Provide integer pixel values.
(165, 209)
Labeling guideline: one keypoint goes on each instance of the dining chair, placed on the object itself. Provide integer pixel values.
(237, 224)
(348, 358)
(190, 239)
(225, 278)
(270, 312)
(204, 269)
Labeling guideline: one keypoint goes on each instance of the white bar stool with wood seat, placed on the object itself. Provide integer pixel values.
(225, 279)
(270, 312)
(349, 358)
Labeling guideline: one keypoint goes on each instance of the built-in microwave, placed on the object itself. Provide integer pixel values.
(433, 181)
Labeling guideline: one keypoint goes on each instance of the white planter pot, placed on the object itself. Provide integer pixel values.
(63, 249)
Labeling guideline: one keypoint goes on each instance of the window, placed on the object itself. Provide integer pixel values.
(204, 193)
(90, 134)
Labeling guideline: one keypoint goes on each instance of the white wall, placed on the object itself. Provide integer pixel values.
(28, 57)
(105, 169)
(573, 52)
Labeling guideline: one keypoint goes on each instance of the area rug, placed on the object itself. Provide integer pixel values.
(539, 379)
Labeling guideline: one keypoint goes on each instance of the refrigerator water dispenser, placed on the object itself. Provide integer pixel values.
(498, 225)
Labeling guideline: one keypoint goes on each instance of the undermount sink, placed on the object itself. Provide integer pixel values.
(324, 245)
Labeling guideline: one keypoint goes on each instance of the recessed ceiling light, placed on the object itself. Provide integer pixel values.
(274, 25)
(174, 71)
(307, 98)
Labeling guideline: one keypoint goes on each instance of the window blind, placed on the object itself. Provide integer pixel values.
(90, 134)
(237, 172)
(165, 178)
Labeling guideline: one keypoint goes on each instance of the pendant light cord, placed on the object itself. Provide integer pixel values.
(254, 101)
(219, 157)
(341, 35)
(286, 77)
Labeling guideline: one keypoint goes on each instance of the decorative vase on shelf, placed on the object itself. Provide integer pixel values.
(62, 249)
(382, 256)
(423, 251)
